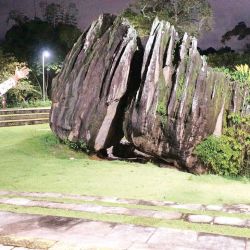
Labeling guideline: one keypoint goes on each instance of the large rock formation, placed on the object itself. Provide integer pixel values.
(91, 92)
(180, 101)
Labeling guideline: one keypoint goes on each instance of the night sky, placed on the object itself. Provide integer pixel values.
(227, 14)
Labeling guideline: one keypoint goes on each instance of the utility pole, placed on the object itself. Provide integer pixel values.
(45, 55)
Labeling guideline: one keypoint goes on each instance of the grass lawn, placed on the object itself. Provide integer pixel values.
(32, 160)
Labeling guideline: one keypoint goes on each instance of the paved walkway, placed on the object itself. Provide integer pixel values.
(237, 208)
(23, 231)
(147, 213)
(68, 233)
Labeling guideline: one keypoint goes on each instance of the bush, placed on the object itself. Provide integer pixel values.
(222, 155)
(239, 128)
(229, 60)
(229, 154)
(77, 146)
(30, 104)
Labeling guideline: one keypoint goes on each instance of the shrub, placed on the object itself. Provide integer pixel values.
(30, 104)
(77, 146)
(239, 128)
(222, 155)
(229, 154)
(228, 59)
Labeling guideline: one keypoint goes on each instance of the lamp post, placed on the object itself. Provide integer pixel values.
(45, 55)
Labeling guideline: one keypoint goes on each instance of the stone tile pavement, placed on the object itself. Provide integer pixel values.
(237, 208)
(163, 215)
(69, 233)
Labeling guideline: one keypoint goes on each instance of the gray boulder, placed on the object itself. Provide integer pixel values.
(91, 92)
(180, 101)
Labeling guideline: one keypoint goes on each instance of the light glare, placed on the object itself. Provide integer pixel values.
(46, 53)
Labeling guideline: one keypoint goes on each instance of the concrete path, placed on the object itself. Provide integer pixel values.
(23, 231)
(147, 213)
(54, 233)
(237, 208)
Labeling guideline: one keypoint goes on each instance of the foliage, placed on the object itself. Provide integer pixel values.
(162, 112)
(77, 146)
(220, 154)
(31, 104)
(239, 128)
(17, 17)
(55, 13)
(192, 16)
(51, 70)
(138, 20)
(241, 74)
(228, 59)
(229, 154)
(29, 37)
(24, 91)
(240, 30)
(67, 35)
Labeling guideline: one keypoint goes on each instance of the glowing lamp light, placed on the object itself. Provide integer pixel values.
(46, 54)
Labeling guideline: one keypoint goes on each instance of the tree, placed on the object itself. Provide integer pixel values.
(241, 31)
(192, 16)
(52, 14)
(26, 40)
(225, 56)
(24, 91)
(55, 13)
(227, 59)
(17, 17)
(71, 14)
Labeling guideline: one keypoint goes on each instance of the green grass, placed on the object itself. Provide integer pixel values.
(125, 219)
(32, 160)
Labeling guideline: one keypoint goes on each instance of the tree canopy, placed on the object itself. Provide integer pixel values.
(24, 90)
(241, 31)
(55, 31)
(192, 16)
(55, 13)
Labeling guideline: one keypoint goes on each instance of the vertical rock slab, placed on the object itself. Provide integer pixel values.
(180, 100)
(91, 92)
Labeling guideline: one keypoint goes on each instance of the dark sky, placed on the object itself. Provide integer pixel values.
(227, 14)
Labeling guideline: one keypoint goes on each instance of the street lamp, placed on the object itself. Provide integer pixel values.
(46, 54)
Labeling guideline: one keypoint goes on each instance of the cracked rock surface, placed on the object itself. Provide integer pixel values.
(180, 101)
(92, 89)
